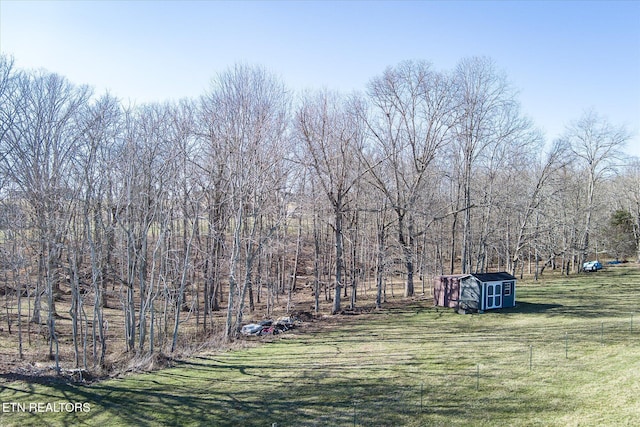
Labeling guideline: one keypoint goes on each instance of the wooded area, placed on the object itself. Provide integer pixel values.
(182, 210)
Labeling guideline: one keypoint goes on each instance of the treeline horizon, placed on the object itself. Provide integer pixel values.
(179, 210)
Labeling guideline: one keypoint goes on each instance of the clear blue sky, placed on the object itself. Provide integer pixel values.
(563, 57)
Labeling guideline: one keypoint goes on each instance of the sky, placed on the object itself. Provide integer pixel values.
(563, 57)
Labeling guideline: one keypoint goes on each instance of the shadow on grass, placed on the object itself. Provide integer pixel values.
(311, 400)
(530, 307)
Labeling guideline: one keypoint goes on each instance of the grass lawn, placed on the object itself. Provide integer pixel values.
(568, 354)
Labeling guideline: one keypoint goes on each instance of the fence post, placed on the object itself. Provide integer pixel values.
(631, 325)
(566, 345)
(354, 414)
(477, 377)
(530, 356)
(421, 396)
(602, 334)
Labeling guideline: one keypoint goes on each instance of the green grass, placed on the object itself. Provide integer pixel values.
(567, 355)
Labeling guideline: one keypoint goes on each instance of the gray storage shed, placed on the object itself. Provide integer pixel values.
(475, 292)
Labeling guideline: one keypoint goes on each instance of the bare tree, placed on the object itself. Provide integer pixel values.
(490, 122)
(9, 99)
(596, 145)
(331, 137)
(413, 114)
(214, 163)
(534, 198)
(180, 134)
(631, 184)
(147, 167)
(40, 151)
(248, 110)
(99, 151)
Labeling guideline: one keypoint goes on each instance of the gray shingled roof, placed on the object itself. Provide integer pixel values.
(493, 277)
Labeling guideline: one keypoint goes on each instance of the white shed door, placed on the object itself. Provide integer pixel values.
(494, 295)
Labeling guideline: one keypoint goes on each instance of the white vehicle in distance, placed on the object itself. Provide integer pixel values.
(592, 266)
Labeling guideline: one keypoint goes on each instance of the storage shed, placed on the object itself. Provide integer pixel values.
(475, 292)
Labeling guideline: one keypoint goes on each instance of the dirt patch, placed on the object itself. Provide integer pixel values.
(49, 375)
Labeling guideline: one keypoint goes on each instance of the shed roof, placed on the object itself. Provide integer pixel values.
(494, 277)
(456, 276)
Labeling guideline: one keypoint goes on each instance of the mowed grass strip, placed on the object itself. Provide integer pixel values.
(568, 354)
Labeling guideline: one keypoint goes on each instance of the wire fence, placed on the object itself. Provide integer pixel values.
(545, 357)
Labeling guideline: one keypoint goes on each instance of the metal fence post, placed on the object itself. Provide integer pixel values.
(354, 415)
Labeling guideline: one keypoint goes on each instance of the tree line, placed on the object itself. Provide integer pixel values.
(182, 210)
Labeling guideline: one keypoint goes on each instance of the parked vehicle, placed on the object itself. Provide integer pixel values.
(592, 266)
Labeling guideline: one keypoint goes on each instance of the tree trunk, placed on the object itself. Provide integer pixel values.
(380, 260)
(339, 256)
(316, 264)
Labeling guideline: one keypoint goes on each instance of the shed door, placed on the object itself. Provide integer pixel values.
(494, 295)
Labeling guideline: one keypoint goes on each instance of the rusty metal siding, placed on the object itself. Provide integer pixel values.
(446, 291)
